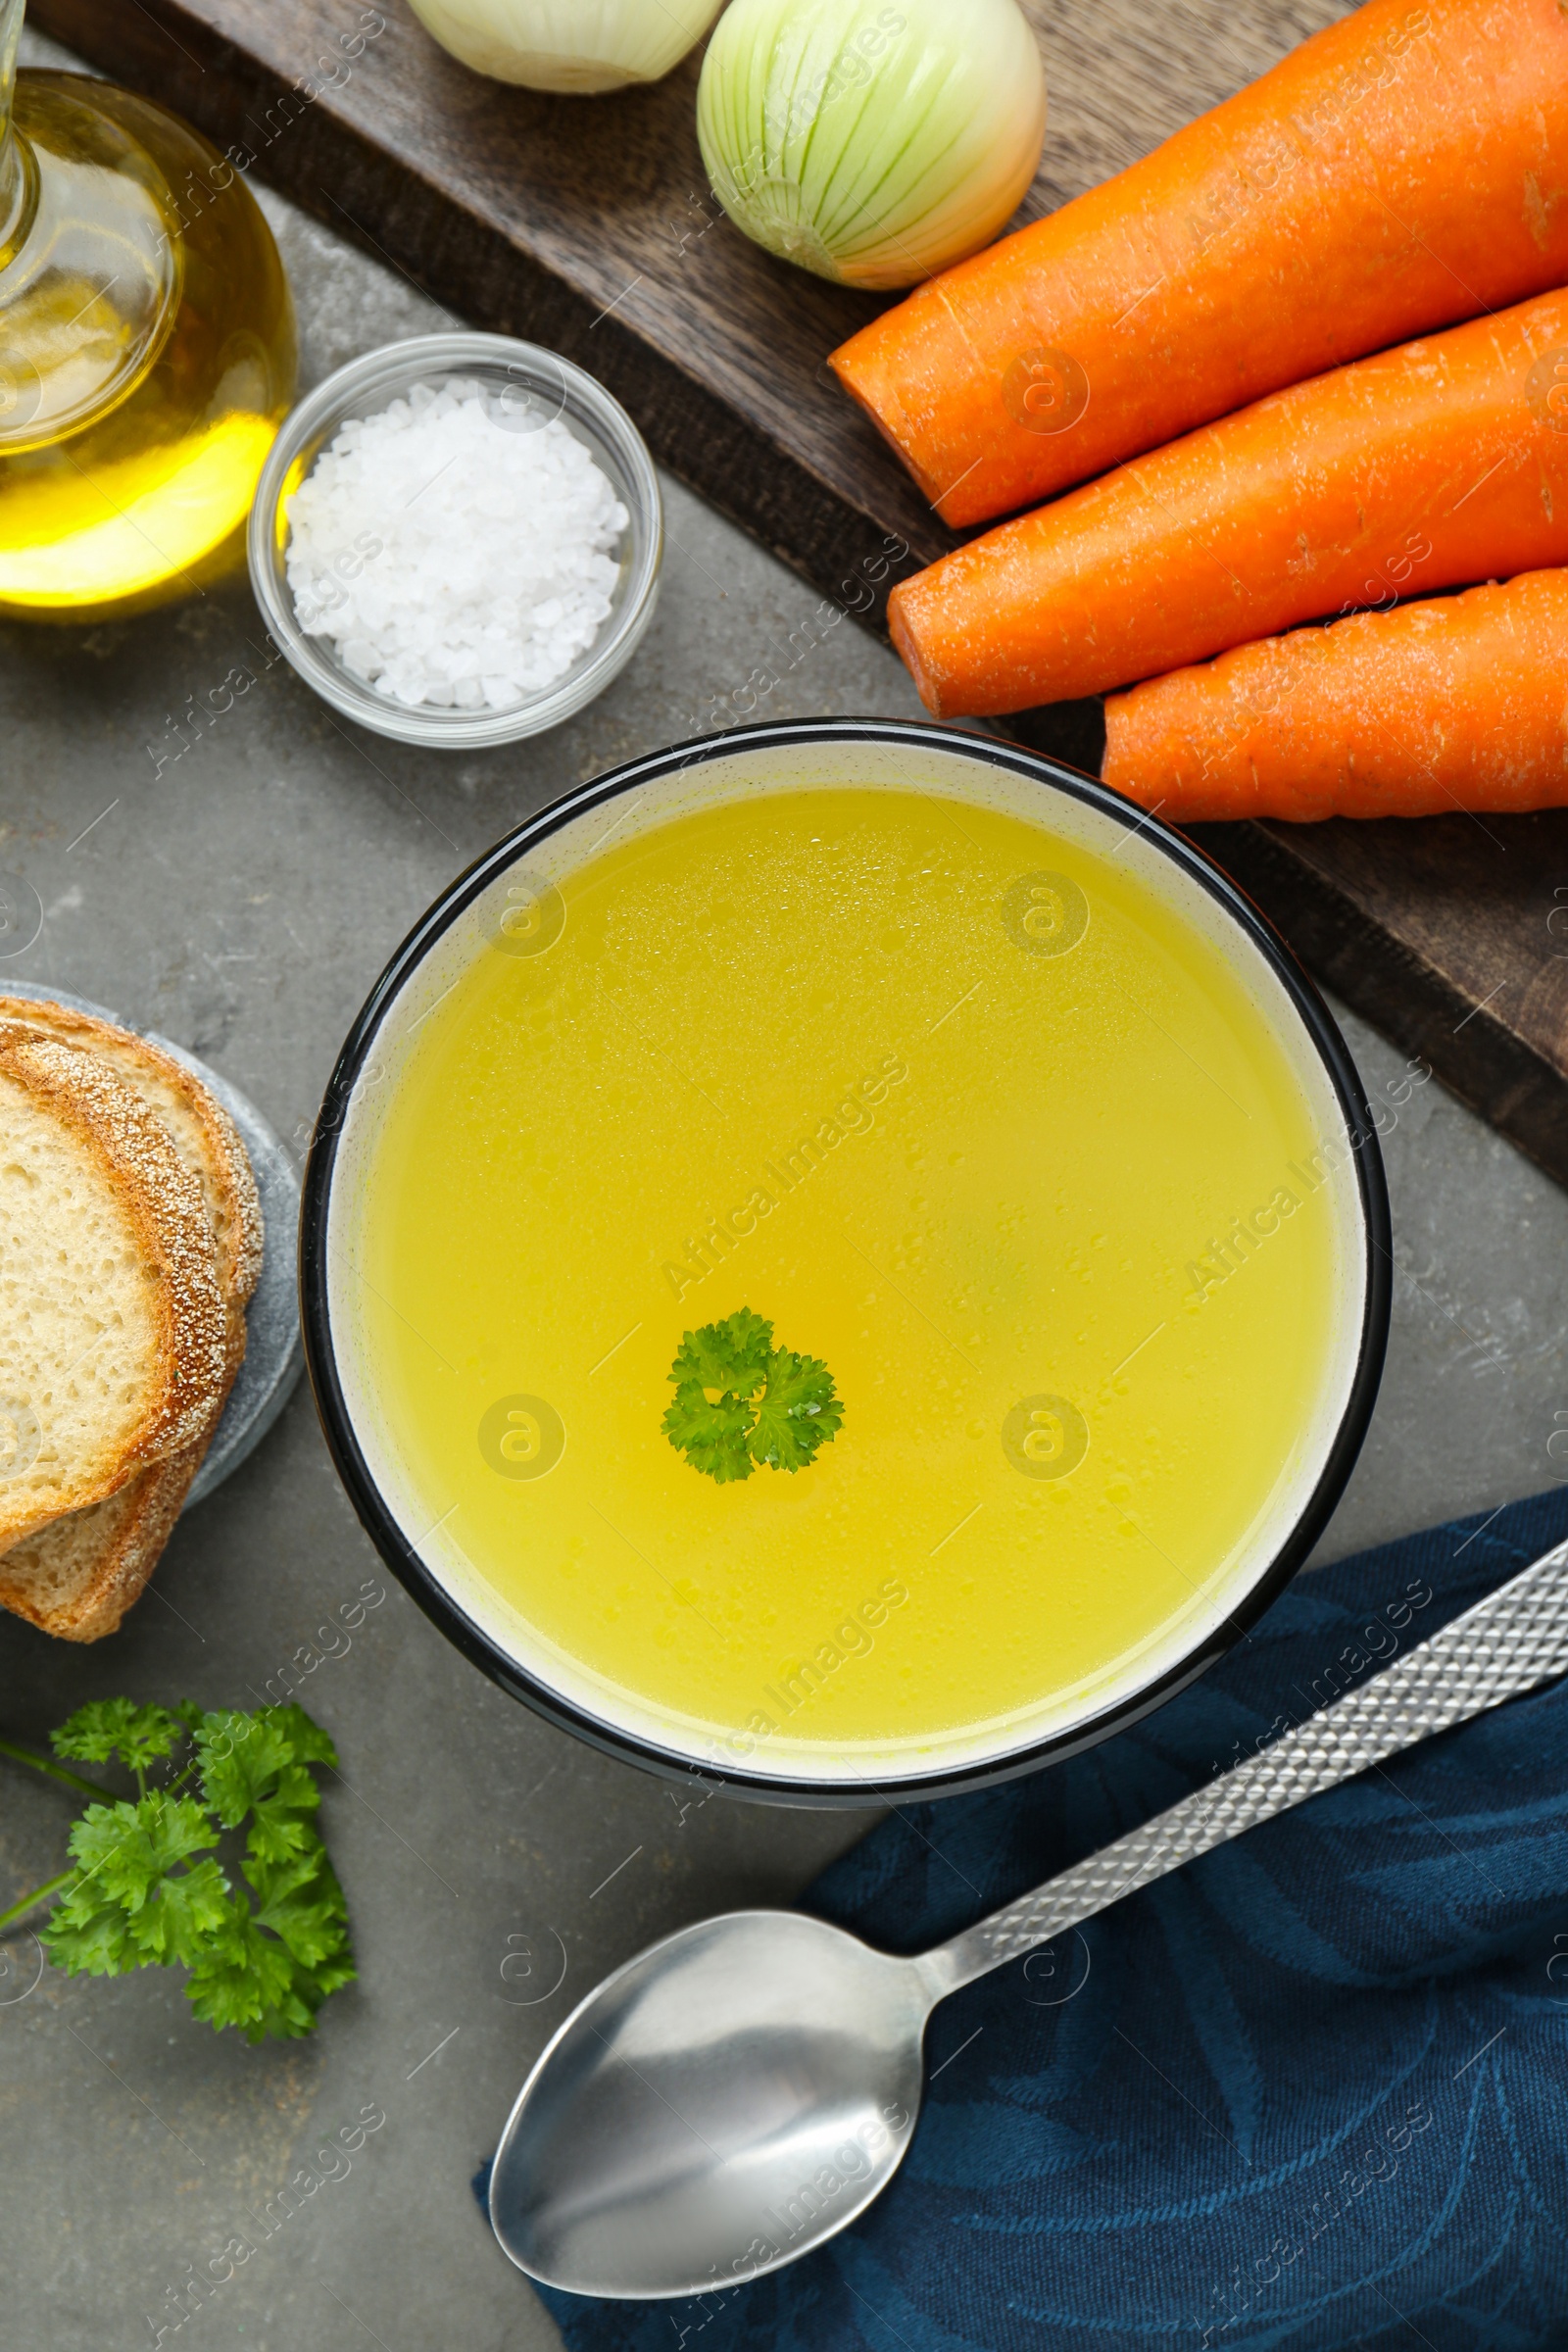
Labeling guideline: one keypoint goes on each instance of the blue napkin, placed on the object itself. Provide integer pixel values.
(1311, 2092)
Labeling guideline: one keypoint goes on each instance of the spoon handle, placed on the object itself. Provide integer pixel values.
(1507, 1644)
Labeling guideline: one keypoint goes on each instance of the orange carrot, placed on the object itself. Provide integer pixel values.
(1441, 462)
(1457, 703)
(1405, 168)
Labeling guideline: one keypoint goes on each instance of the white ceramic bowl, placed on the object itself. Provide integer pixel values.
(466, 921)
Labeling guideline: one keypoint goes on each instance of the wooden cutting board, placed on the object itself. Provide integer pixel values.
(588, 224)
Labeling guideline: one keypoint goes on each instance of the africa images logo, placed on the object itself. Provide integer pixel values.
(522, 1437)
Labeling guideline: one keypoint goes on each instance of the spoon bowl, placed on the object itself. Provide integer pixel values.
(740, 2090)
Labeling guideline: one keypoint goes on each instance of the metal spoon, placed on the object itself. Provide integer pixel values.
(742, 2090)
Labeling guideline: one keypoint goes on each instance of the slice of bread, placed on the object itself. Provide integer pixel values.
(114, 1345)
(200, 1128)
(76, 1577)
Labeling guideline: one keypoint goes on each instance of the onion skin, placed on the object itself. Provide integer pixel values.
(575, 48)
(871, 144)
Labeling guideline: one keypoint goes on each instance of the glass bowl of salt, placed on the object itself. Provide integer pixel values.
(456, 540)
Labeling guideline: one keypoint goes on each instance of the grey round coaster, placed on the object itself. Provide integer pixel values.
(275, 1357)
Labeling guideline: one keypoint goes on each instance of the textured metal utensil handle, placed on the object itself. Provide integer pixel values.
(1507, 1644)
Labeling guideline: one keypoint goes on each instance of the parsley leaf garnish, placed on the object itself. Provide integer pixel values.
(742, 1403)
(149, 1888)
(712, 1437)
(797, 1412)
(732, 1355)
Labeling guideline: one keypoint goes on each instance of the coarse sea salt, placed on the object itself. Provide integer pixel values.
(456, 550)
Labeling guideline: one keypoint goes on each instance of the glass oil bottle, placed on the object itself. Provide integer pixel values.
(147, 349)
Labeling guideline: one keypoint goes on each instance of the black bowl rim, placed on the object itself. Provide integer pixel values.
(437, 1604)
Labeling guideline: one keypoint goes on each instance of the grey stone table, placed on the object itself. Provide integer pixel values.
(238, 888)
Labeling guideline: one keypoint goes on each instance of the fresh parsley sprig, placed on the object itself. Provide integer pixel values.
(148, 1886)
(740, 1402)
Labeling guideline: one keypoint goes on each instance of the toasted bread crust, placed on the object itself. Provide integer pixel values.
(164, 1206)
(76, 1577)
(234, 1201)
(119, 1541)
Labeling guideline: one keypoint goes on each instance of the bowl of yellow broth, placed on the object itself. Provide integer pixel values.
(844, 1258)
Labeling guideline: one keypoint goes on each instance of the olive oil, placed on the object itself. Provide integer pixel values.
(147, 349)
(965, 1112)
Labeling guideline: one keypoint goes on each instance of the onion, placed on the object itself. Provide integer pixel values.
(574, 45)
(873, 144)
